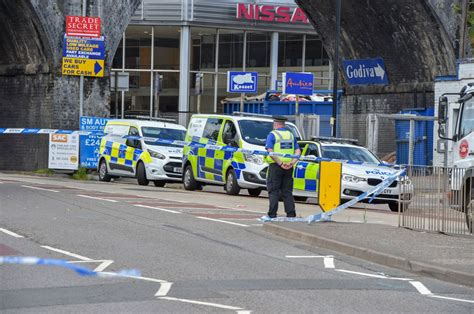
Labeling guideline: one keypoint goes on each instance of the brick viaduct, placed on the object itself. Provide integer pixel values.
(416, 38)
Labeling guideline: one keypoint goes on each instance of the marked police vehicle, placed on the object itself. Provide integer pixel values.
(356, 178)
(235, 171)
(141, 158)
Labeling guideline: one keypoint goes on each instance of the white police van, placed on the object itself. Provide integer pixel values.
(141, 158)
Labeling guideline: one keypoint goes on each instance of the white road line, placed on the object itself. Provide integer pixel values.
(372, 275)
(164, 289)
(220, 306)
(449, 298)
(97, 198)
(82, 258)
(421, 288)
(223, 221)
(103, 264)
(329, 262)
(158, 208)
(13, 234)
(308, 256)
(41, 189)
(112, 274)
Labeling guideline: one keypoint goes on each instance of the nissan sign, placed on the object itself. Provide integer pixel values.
(271, 13)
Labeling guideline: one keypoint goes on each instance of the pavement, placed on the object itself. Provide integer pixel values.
(449, 258)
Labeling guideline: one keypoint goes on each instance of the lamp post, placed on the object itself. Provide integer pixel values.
(335, 69)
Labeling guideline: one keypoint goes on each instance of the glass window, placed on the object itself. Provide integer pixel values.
(314, 51)
(229, 135)
(230, 50)
(133, 142)
(258, 50)
(163, 133)
(290, 50)
(467, 119)
(212, 128)
(312, 150)
(256, 132)
(348, 153)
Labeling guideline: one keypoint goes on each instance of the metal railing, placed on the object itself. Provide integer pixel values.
(440, 200)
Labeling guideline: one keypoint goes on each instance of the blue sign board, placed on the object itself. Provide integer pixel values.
(89, 144)
(365, 72)
(298, 83)
(74, 47)
(242, 82)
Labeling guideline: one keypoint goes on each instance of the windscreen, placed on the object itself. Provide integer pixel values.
(167, 134)
(256, 132)
(467, 119)
(348, 153)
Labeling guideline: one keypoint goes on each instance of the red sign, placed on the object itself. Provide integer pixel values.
(463, 149)
(83, 26)
(270, 13)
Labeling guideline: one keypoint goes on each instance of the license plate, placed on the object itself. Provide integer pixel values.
(177, 170)
(387, 191)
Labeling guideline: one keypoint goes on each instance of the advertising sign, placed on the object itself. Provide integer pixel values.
(271, 13)
(242, 82)
(86, 67)
(63, 151)
(298, 83)
(90, 144)
(83, 26)
(75, 47)
(365, 72)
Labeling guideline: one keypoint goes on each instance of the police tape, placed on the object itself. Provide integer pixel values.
(83, 271)
(326, 216)
(194, 144)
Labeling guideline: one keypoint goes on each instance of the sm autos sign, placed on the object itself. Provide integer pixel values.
(242, 82)
(365, 72)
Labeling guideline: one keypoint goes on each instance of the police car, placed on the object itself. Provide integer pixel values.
(356, 179)
(141, 158)
(235, 171)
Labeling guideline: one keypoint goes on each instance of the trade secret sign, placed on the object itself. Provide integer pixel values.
(242, 82)
(83, 26)
(365, 72)
(298, 83)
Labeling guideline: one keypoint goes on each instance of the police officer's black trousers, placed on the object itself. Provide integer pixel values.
(280, 181)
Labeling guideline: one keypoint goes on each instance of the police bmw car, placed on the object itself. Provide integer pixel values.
(356, 179)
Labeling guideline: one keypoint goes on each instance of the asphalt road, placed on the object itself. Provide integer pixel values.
(196, 251)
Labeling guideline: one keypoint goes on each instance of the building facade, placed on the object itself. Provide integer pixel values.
(178, 39)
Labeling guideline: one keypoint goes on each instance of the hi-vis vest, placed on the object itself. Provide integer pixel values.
(284, 144)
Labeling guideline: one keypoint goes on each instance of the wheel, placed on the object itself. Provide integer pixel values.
(103, 173)
(394, 206)
(231, 185)
(141, 174)
(159, 184)
(254, 192)
(300, 198)
(189, 182)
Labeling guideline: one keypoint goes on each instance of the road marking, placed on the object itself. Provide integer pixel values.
(372, 275)
(223, 221)
(164, 289)
(449, 298)
(134, 277)
(308, 256)
(329, 262)
(103, 264)
(421, 288)
(220, 306)
(82, 258)
(97, 198)
(13, 234)
(158, 208)
(37, 188)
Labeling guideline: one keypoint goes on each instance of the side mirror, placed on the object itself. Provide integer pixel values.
(442, 109)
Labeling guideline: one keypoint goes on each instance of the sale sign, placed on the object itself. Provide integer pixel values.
(83, 26)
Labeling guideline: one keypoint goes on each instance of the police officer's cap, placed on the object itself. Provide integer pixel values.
(280, 118)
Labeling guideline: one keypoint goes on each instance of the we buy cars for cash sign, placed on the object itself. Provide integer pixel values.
(83, 26)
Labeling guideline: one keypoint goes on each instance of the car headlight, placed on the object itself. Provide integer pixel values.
(156, 155)
(352, 179)
(254, 159)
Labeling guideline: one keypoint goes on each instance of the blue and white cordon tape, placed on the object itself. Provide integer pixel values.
(83, 271)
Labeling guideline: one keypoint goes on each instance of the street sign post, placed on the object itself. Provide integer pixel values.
(298, 83)
(365, 72)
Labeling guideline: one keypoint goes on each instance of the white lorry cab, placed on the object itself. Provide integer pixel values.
(462, 174)
(142, 158)
(235, 171)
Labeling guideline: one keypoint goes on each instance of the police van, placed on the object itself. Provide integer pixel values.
(235, 171)
(141, 158)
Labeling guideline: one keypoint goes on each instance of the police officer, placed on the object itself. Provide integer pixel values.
(280, 169)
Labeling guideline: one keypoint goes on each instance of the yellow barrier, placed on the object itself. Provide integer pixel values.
(329, 185)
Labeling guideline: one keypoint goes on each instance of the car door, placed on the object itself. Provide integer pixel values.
(230, 137)
(209, 158)
(305, 173)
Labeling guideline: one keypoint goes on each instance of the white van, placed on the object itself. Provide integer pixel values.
(145, 160)
(234, 171)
